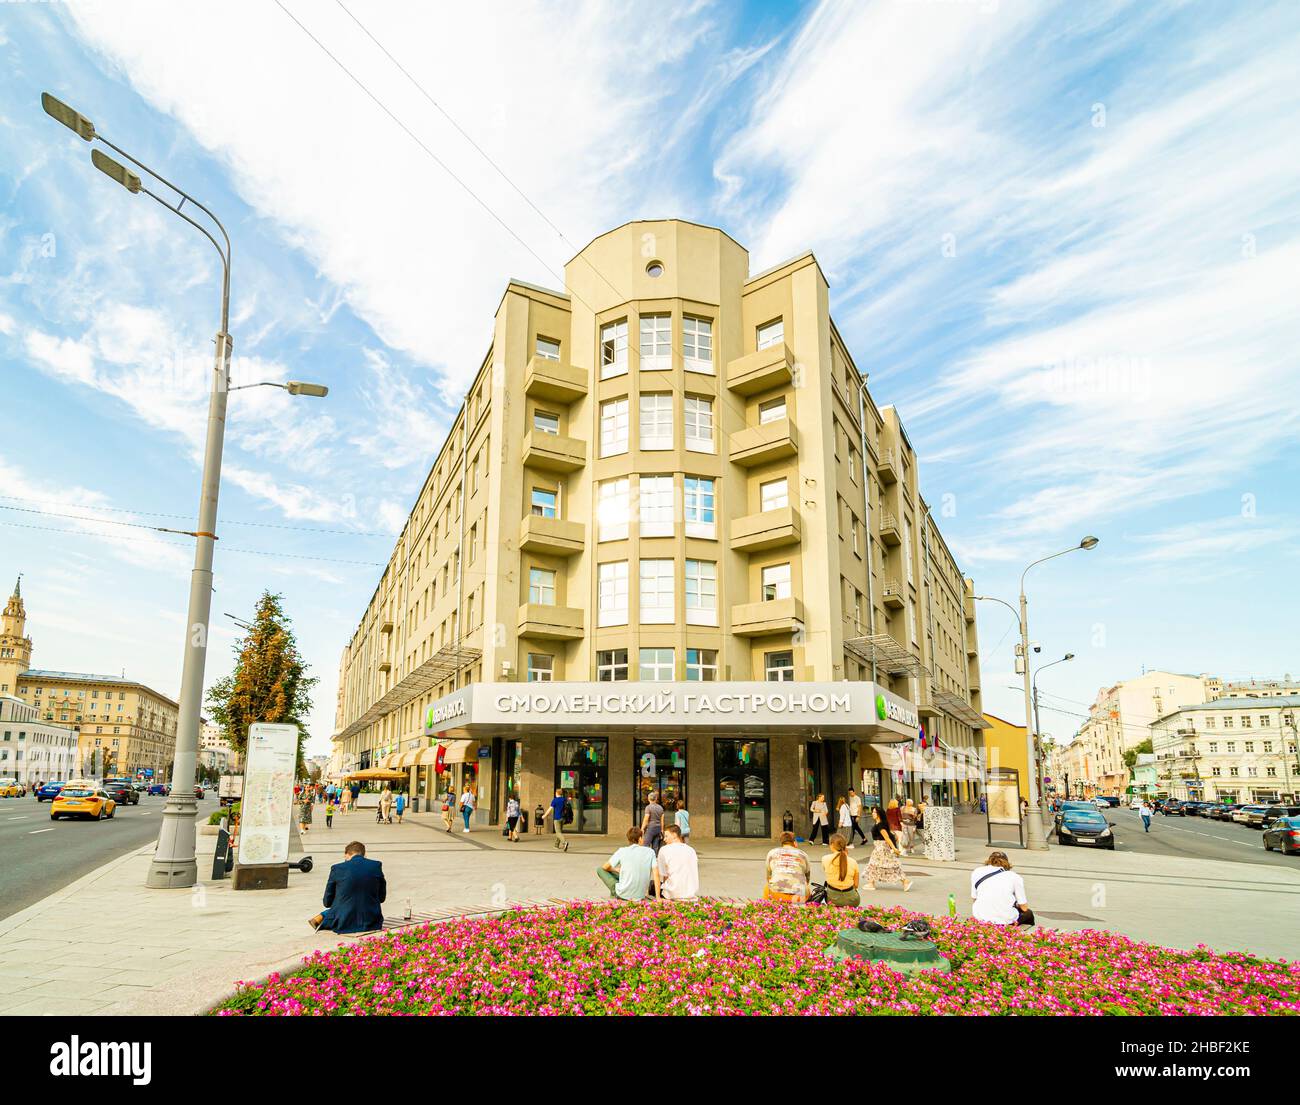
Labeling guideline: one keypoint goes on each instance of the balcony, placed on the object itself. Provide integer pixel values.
(768, 529)
(386, 626)
(554, 380)
(968, 608)
(889, 531)
(385, 665)
(550, 623)
(756, 445)
(761, 619)
(887, 469)
(893, 595)
(553, 452)
(768, 368)
(551, 536)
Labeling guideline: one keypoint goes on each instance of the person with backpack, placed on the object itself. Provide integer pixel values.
(555, 811)
(998, 893)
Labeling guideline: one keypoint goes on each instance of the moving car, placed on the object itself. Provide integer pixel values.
(159, 788)
(81, 798)
(49, 791)
(1085, 827)
(11, 788)
(198, 790)
(1284, 835)
(1111, 800)
(121, 791)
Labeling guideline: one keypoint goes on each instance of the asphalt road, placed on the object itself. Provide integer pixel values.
(41, 856)
(1194, 837)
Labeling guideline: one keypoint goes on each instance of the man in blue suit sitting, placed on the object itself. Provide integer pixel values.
(353, 895)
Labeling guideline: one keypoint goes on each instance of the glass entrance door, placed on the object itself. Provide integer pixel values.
(742, 803)
(581, 772)
(659, 766)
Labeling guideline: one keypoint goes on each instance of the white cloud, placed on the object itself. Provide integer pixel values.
(406, 426)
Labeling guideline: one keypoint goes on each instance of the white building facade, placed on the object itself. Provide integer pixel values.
(32, 750)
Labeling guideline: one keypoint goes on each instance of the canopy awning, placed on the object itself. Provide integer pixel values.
(375, 773)
(461, 752)
(441, 666)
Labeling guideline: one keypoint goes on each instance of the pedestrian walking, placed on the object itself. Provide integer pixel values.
(467, 802)
(842, 875)
(821, 822)
(884, 865)
(304, 813)
(855, 815)
(400, 806)
(1145, 812)
(998, 893)
(512, 818)
(894, 819)
(555, 811)
(786, 872)
(844, 819)
(652, 823)
(448, 802)
(329, 816)
(384, 812)
(907, 818)
(683, 821)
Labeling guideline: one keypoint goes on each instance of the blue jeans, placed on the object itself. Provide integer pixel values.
(1146, 823)
(465, 814)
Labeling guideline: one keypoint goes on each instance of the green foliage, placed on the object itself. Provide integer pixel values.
(232, 811)
(270, 681)
(1131, 754)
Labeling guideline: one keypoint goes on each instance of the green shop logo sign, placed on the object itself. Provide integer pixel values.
(893, 711)
(882, 710)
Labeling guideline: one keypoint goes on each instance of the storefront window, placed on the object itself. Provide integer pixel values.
(742, 802)
(659, 766)
(581, 773)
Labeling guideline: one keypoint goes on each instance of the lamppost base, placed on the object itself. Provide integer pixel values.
(174, 865)
(179, 875)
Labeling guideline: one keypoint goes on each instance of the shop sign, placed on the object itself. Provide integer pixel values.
(889, 709)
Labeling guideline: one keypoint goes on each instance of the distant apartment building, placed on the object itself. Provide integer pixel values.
(215, 752)
(32, 750)
(670, 544)
(123, 727)
(1251, 688)
(1233, 749)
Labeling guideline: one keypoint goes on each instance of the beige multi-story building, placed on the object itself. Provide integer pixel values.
(215, 752)
(670, 544)
(122, 727)
(1120, 719)
(1234, 749)
(1251, 688)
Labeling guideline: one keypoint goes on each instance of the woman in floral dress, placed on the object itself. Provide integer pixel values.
(884, 865)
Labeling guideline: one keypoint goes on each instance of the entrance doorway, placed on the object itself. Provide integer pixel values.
(658, 766)
(742, 804)
(581, 772)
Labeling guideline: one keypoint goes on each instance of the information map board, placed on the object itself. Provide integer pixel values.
(266, 807)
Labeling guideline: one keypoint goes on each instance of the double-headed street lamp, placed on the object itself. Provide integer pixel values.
(1035, 838)
(173, 863)
(1038, 727)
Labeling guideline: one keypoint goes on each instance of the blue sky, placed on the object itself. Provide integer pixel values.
(1063, 240)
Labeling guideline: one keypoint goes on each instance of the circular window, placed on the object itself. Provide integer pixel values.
(655, 269)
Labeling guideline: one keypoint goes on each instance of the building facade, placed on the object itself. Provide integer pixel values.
(122, 727)
(1234, 749)
(32, 750)
(215, 752)
(667, 477)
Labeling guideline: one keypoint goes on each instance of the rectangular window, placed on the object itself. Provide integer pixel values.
(657, 421)
(613, 427)
(655, 501)
(771, 333)
(612, 510)
(776, 582)
(546, 423)
(774, 494)
(656, 592)
(701, 592)
(541, 667)
(697, 344)
(699, 424)
(611, 593)
(778, 667)
(541, 586)
(657, 665)
(771, 411)
(656, 343)
(699, 507)
(611, 665)
(548, 349)
(613, 349)
(702, 665)
(544, 503)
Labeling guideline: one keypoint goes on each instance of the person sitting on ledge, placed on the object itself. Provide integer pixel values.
(628, 871)
(353, 895)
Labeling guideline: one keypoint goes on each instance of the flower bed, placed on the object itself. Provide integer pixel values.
(602, 958)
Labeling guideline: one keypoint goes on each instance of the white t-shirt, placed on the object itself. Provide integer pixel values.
(846, 818)
(996, 899)
(855, 806)
(679, 871)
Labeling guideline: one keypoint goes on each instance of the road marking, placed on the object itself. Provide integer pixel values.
(35, 831)
(22, 818)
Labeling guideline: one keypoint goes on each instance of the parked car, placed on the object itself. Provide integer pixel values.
(1254, 816)
(1085, 827)
(1284, 835)
(11, 788)
(121, 791)
(80, 799)
(1111, 800)
(1225, 811)
(1196, 809)
(49, 791)
(1274, 812)
(1067, 806)
(1172, 808)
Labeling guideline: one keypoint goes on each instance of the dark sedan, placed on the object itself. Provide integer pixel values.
(1085, 827)
(1284, 835)
(1073, 805)
(122, 792)
(1224, 812)
(1274, 812)
(1172, 808)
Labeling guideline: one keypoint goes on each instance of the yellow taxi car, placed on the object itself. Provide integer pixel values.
(82, 798)
(11, 788)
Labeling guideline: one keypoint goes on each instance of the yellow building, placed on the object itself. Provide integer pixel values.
(123, 727)
(669, 475)
(1005, 747)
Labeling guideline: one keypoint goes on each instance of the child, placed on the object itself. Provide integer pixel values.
(683, 821)
(329, 815)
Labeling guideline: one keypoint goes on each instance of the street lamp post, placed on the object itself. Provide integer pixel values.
(1038, 728)
(1035, 838)
(173, 863)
